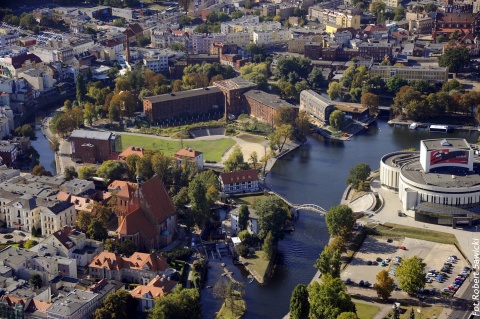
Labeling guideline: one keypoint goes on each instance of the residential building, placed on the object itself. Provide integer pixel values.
(240, 181)
(234, 60)
(313, 50)
(92, 146)
(131, 150)
(447, 23)
(158, 64)
(252, 223)
(409, 73)
(161, 38)
(271, 37)
(377, 51)
(203, 102)
(56, 216)
(264, 106)
(200, 43)
(156, 288)
(21, 213)
(150, 219)
(139, 268)
(133, 32)
(242, 39)
(190, 155)
(77, 304)
(347, 19)
(392, 3)
(8, 151)
(316, 105)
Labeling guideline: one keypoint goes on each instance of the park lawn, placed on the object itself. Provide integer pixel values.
(366, 311)
(248, 200)
(257, 263)
(251, 138)
(226, 312)
(395, 230)
(212, 150)
(427, 312)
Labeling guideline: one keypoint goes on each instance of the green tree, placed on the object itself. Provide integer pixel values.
(394, 83)
(54, 144)
(385, 285)
(411, 274)
(334, 90)
(25, 130)
(131, 162)
(280, 136)
(36, 281)
(178, 47)
(347, 315)
(97, 230)
(89, 113)
(329, 261)
(339, 218)
(181, 304)
(81, 88)
(184, 21)
(86, 172)
(110, 245)
(242, 250)
(378, 8)
(235, 161)
(329, 298)
(272, 215)
(83, 219)
(200, 208)
(128, 247)
(120, 22)
(39, 170)
(452, 85)
(371, 102)
(243, 216)
(258, 78)
(399, 12)
(236, 14)
(70, 173)
(455, 58)
(316, 79)
(143, 41)
(29, 244)
(267, 246)
(111, 170)
(358, 174)
(299, 305)
(67, 105)
(430, 7)
(119, 305)
(336, 119)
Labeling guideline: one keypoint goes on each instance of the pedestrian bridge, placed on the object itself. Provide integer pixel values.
(310, 207)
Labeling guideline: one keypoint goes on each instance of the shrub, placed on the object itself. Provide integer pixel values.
(242, 250)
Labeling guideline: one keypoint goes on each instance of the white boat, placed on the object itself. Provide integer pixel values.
(413, 126)
(439, 128)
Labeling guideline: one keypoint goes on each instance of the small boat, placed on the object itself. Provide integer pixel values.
(439, 128)
(413, 126)
(223, 264)
(251, 280)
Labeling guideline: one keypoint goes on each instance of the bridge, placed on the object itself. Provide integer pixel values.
(311, 207)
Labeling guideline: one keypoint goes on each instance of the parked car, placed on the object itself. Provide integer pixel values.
(389, 240)
(348, 281)
(379, 259)
(447, 289)
(439, 278)
(458, 282)
(369, 262)
(403, 248)
(388, 260)
(420, 296)
(366, 284)
(459, 278)
(428, 280)
(454, 257)
(383, 263)
(361, 283)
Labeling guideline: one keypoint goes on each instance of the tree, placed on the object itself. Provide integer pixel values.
(39, 170)
(430, 7)
(347, 315)
(113, 112)
(358, 174)
(334, 90)
(81, 88)
(86, 172)
(70, 173)
(235, 161)
(399, 12)
(97, 230)
(329, 298)
(128, 247)
(110, 245)
(452, 85)
(125, 102)
(370, 101)
(243, 216)
(184, 21)
(267, 246)
(143, 41)
(339, 218)
(181, 304)
(54, 144)
(201, 28)
(236, 14)
(119, 305)
(120, 22)
(25, 130)
(329, 262)
(29, 244)
(178, 47)
(67, 105)
(198, 200)
(315, 78)
(36, 281)
(299, 305)
(272, 215)
(411, 274)
(455, 58)
(378, 8)
(279, 137)
(394, 83)
(111, 170)
(90, 113)
(385, 285)
(83, 220)
(336, 119)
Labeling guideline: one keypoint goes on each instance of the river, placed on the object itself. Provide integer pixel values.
(313, 174)
(316, 174)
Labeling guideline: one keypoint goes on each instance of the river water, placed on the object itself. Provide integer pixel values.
(313, 174)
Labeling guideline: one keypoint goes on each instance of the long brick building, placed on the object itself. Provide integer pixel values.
(92, 146)
(264, 106)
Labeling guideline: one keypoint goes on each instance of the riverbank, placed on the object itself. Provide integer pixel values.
(426, 125)
(258, 266)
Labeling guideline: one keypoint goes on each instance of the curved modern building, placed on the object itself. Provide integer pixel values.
(441, 183)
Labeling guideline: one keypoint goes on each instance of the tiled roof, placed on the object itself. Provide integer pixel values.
(140, 291)
(130, 151)
(138, 261)
(63, 196)
(187, 152)
(461, 18)
(239, 176)
(18, 60)
(154, 199)
(62, 237)
(136, 222)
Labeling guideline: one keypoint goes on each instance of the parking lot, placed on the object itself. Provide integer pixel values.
(379, 248)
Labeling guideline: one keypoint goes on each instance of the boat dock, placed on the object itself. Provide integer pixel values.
(427, 125)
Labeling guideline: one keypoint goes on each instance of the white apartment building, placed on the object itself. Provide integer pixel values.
(242, 39)
(200, 43)
(22, 213)
(38, 79)
(269, 37)
(57, 216)
(238, 25)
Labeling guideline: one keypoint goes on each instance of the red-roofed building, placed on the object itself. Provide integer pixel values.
(131, 150)
(156, 288)
(191, 155)
(150, 218)
(240, 181)
(138, 268)
(133, 32)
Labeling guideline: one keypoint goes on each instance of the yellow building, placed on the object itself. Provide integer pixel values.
(409, 73)
(348, 21)
(331, 28)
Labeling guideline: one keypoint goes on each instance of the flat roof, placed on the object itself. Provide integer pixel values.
(272, 100)
(434, 144)
(183, 94)
(92, 134)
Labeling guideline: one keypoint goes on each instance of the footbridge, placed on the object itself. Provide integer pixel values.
(310, 207)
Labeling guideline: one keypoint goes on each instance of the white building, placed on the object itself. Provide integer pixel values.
(22, 214)
(272, 36)
(190, 155)
(252, 224)
(57, 216)
(240, 181)
(158, 65)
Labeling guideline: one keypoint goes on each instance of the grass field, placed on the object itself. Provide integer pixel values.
(365, 311)
(251, 138)
(395, 230)
(248, 200)
(258, 263)
(427, 312)
(226, 312)
(212, 150)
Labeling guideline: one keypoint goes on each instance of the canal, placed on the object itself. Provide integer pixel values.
(47, 156)
(316, 174)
